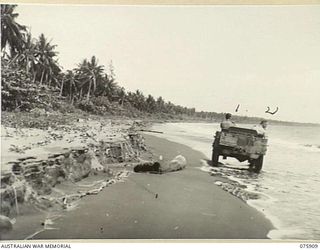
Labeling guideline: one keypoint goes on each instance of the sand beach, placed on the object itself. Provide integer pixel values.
(109, 113)
(122, 204)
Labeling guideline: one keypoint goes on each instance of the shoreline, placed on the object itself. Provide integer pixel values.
(250, 202)
(182, 210)
(196, 154)
(184, 204)
(267, 192)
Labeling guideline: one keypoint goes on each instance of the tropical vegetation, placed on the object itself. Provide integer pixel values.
(31, 77)
(30, 72)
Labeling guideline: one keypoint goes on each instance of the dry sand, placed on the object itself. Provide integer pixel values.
(177, 205)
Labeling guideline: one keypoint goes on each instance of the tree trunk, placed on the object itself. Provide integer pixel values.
(122, 101)
(41, 77)
(27, 67)
(61, 88)
(47, 79)
(70, 91)
(88, 94)
(13, 59)
(80, 93)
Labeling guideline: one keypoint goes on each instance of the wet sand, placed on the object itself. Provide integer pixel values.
(178, 205)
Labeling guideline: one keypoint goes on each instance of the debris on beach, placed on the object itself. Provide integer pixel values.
(151, 167)
(178, 163)
(36, 161)
(6, 224)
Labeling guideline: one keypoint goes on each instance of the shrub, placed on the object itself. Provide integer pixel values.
(63, 107)
(102, 101)
(87, 106)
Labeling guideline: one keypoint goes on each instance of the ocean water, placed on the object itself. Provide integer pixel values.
(287, 190)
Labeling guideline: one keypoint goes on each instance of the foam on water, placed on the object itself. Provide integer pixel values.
(293, 145)
(286, 190)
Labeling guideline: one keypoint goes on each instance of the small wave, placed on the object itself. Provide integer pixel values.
(243, 185)
(237, 190)
(313, 147)
(235, 186)
(205, 168)
(292, 234)
(268, 192)
(308, 147)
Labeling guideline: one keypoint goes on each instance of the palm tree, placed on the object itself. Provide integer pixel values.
(47, 66)
(106, 87)
(60, 80)
(12, 33)
(139, 100)
(83, 76)
(90, 74)
(27, 58)
(169, 107)
(150, 104)
(122, 95)
(69, 83)
(160, 104)
(96, 73)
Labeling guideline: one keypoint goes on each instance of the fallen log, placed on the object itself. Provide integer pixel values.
(151, 131)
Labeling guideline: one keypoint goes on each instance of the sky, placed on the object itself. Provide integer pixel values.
(208, 57)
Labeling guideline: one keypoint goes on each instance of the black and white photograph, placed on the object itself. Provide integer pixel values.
(160, 122)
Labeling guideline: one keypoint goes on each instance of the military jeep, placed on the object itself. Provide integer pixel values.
(242, 144)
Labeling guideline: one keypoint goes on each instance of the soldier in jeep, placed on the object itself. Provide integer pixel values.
(227, 123)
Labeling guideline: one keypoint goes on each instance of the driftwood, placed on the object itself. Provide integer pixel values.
(151, 131)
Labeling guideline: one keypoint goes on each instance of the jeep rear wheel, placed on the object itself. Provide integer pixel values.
(215, 158)
(258, 164)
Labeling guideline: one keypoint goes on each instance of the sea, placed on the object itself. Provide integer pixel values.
(286, 191)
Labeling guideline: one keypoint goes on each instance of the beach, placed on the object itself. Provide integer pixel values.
(184, 204)
(119, 133)
(287, 185)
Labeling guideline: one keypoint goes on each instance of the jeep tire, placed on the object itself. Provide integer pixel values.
(215, 157)
(258, 164)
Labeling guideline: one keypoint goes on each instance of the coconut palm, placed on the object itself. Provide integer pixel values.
(151, 104)
(83, 76)
(12, 33)
(27, 58)
(106, 87)
(47, 66)
(139, 100)
(160, 104)
(122, 95)
(89, 74)
(96, 73)
(69, 83)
